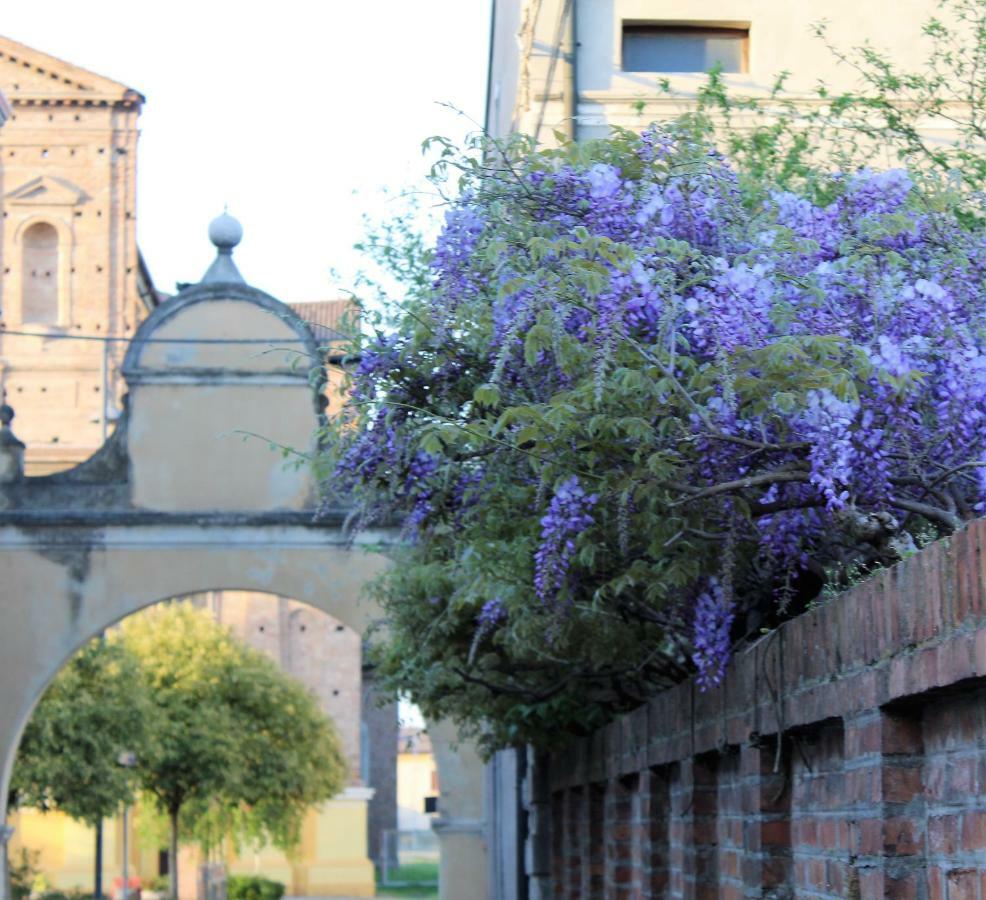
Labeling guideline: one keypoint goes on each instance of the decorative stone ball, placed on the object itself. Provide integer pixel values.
(225, 232)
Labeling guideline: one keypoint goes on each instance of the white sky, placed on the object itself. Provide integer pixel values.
(294, 112)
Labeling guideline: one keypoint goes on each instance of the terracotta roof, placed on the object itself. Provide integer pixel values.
(329, 319)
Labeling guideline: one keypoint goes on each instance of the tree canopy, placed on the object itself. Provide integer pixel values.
(640, 401)
(93, 711)
(239, 748)
(227, 745)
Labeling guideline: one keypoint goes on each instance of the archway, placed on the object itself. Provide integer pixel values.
(181, 499)
(324, 656)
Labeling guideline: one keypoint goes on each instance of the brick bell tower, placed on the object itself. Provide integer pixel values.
(72, 284)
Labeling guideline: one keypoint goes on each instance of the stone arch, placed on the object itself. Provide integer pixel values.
(79, 589)
(186, 496)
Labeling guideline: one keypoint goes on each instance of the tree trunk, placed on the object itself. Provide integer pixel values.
(173, 857)
(97, 890)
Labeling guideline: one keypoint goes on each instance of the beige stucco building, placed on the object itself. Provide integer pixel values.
(417, 779)
(581, 66)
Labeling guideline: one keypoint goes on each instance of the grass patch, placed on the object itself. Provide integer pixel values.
(409, 893)
(422, 877)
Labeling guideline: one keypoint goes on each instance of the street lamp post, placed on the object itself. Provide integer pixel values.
(127, 759)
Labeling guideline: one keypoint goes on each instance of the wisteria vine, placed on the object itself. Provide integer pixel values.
(624, 362)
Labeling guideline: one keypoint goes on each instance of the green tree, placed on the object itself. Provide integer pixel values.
(240, 749)
(95, 709)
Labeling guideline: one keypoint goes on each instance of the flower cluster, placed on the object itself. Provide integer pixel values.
(713, 621)
(568, 515)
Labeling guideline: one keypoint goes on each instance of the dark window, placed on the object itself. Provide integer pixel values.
(683, 48)
(40, 274)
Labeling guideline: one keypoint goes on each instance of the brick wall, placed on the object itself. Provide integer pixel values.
(876, 789)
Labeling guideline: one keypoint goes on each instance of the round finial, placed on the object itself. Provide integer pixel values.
(6, 414)
(225, 232)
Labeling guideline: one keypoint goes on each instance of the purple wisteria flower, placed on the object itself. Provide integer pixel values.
(828, 423)
(568, 515)
(492, 615)
(714, 615)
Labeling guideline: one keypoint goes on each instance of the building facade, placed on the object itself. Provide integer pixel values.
(70, 264)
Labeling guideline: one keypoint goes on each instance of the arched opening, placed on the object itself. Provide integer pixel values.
(325, 656)
(39, 274)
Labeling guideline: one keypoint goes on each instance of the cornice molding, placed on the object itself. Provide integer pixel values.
(47, 80)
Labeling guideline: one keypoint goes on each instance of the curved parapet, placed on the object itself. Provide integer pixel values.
(220, 380)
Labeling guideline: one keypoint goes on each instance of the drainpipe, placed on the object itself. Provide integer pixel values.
(570, 81)
(488, 125)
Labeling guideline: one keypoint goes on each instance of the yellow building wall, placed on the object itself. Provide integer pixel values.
(416, 779)
(332, 858)
(330, 861)
(66, 850)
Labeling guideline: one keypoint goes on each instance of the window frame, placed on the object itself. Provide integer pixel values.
(739, 30)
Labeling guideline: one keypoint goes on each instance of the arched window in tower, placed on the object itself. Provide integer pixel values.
(40, 274)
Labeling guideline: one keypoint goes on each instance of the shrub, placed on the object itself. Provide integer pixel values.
(253, 887)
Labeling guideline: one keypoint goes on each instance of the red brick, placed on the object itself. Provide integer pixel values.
(776, 833)
(828, 834)
(968, 602)
(902, 888)
(816, 872)
(974, 830)
(924, 671)
(869, 837)
(870, 883)
(961, 884)
(943, 835)
(775, 872)
(902, 836)
(979, 652)
(900, 784)
(835, 875)
(900, 671)
(900, 734)
(806, 832)
(961, 774)
(729, 865)
(955, 659)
